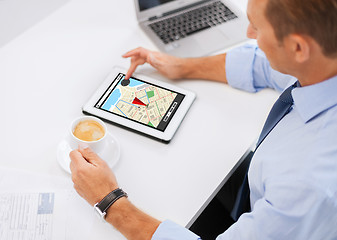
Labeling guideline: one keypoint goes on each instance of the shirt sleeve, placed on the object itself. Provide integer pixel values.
(247, 68)
(169, 230)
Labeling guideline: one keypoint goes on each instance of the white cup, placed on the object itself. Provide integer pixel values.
(98, 145)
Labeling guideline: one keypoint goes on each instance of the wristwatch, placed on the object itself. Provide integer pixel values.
(102, 206)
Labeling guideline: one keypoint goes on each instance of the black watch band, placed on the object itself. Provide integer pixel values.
(102, 206)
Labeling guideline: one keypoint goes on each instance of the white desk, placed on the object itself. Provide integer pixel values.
(18, 15)
(50, 71)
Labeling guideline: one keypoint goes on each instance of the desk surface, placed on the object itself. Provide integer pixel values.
(50, 71)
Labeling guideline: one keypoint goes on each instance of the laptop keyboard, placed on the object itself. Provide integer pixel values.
(193, 21)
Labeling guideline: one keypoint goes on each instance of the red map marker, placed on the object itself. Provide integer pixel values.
(138, 102)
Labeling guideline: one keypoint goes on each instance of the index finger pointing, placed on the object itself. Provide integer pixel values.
(131, 70)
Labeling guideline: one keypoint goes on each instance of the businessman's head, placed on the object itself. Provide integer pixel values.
(314, 18)
(294, 34)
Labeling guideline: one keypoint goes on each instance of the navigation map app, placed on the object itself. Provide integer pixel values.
(140, 101)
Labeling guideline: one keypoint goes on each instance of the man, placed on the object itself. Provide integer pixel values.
(293, 174)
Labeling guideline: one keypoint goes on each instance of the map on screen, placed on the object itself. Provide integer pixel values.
(141, 102)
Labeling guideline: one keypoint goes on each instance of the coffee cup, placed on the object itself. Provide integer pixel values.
(90, 131)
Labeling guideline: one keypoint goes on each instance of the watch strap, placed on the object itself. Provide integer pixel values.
(109, 199)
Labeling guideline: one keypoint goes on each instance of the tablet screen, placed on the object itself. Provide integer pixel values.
(140, 101)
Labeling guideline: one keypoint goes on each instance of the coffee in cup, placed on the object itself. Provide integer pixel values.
(90, 131)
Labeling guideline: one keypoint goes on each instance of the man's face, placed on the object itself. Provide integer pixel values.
(261, 30)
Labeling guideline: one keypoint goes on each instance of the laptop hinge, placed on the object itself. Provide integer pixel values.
(178, 10)
(155, 17)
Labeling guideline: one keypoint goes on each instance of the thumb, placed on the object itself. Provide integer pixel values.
(89, 154)
(76, 160)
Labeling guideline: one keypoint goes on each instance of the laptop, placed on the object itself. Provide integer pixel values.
(192, 28)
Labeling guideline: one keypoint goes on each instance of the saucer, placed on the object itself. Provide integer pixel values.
(110, 154)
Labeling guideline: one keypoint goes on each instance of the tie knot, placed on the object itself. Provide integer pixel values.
(286, 96)
(281, 107)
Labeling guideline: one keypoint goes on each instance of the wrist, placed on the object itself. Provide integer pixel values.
(194, 67)
(102, 206)
(120, 208)
(188, 67)
(130, 221)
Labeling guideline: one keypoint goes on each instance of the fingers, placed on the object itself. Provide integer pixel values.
(82, 157)
(138, 57)
(89, 155)
(92, 177)
(132, 69)
(169, 66)
(137, 52)
(132, 53)
(76, 160)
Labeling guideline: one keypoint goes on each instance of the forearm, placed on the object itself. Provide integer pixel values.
(209, 68)
(130, 221)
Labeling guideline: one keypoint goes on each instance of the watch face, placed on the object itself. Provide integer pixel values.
(99, 213)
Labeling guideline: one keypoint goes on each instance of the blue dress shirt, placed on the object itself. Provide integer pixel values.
(293, 174)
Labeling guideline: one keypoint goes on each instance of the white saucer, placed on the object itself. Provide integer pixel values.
(110, 154)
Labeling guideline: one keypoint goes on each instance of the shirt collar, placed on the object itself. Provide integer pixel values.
(314, 99)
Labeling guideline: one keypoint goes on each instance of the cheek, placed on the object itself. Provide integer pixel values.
(268, 51)
(264, 45)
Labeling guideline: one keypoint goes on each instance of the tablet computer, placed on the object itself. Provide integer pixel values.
(142, 104)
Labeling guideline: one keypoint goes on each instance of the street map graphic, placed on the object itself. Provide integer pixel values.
(139, 101)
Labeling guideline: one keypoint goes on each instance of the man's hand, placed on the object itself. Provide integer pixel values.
(93, 180)
(209, 68)
(169, 66)
(92, 177)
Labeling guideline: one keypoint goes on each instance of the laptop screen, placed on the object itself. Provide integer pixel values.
(147, 4)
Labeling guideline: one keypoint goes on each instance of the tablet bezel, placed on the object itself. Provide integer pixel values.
(167, 134)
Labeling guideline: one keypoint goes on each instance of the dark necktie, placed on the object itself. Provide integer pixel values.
(281, 108)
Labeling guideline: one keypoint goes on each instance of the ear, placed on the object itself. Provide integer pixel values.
(300, 47)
